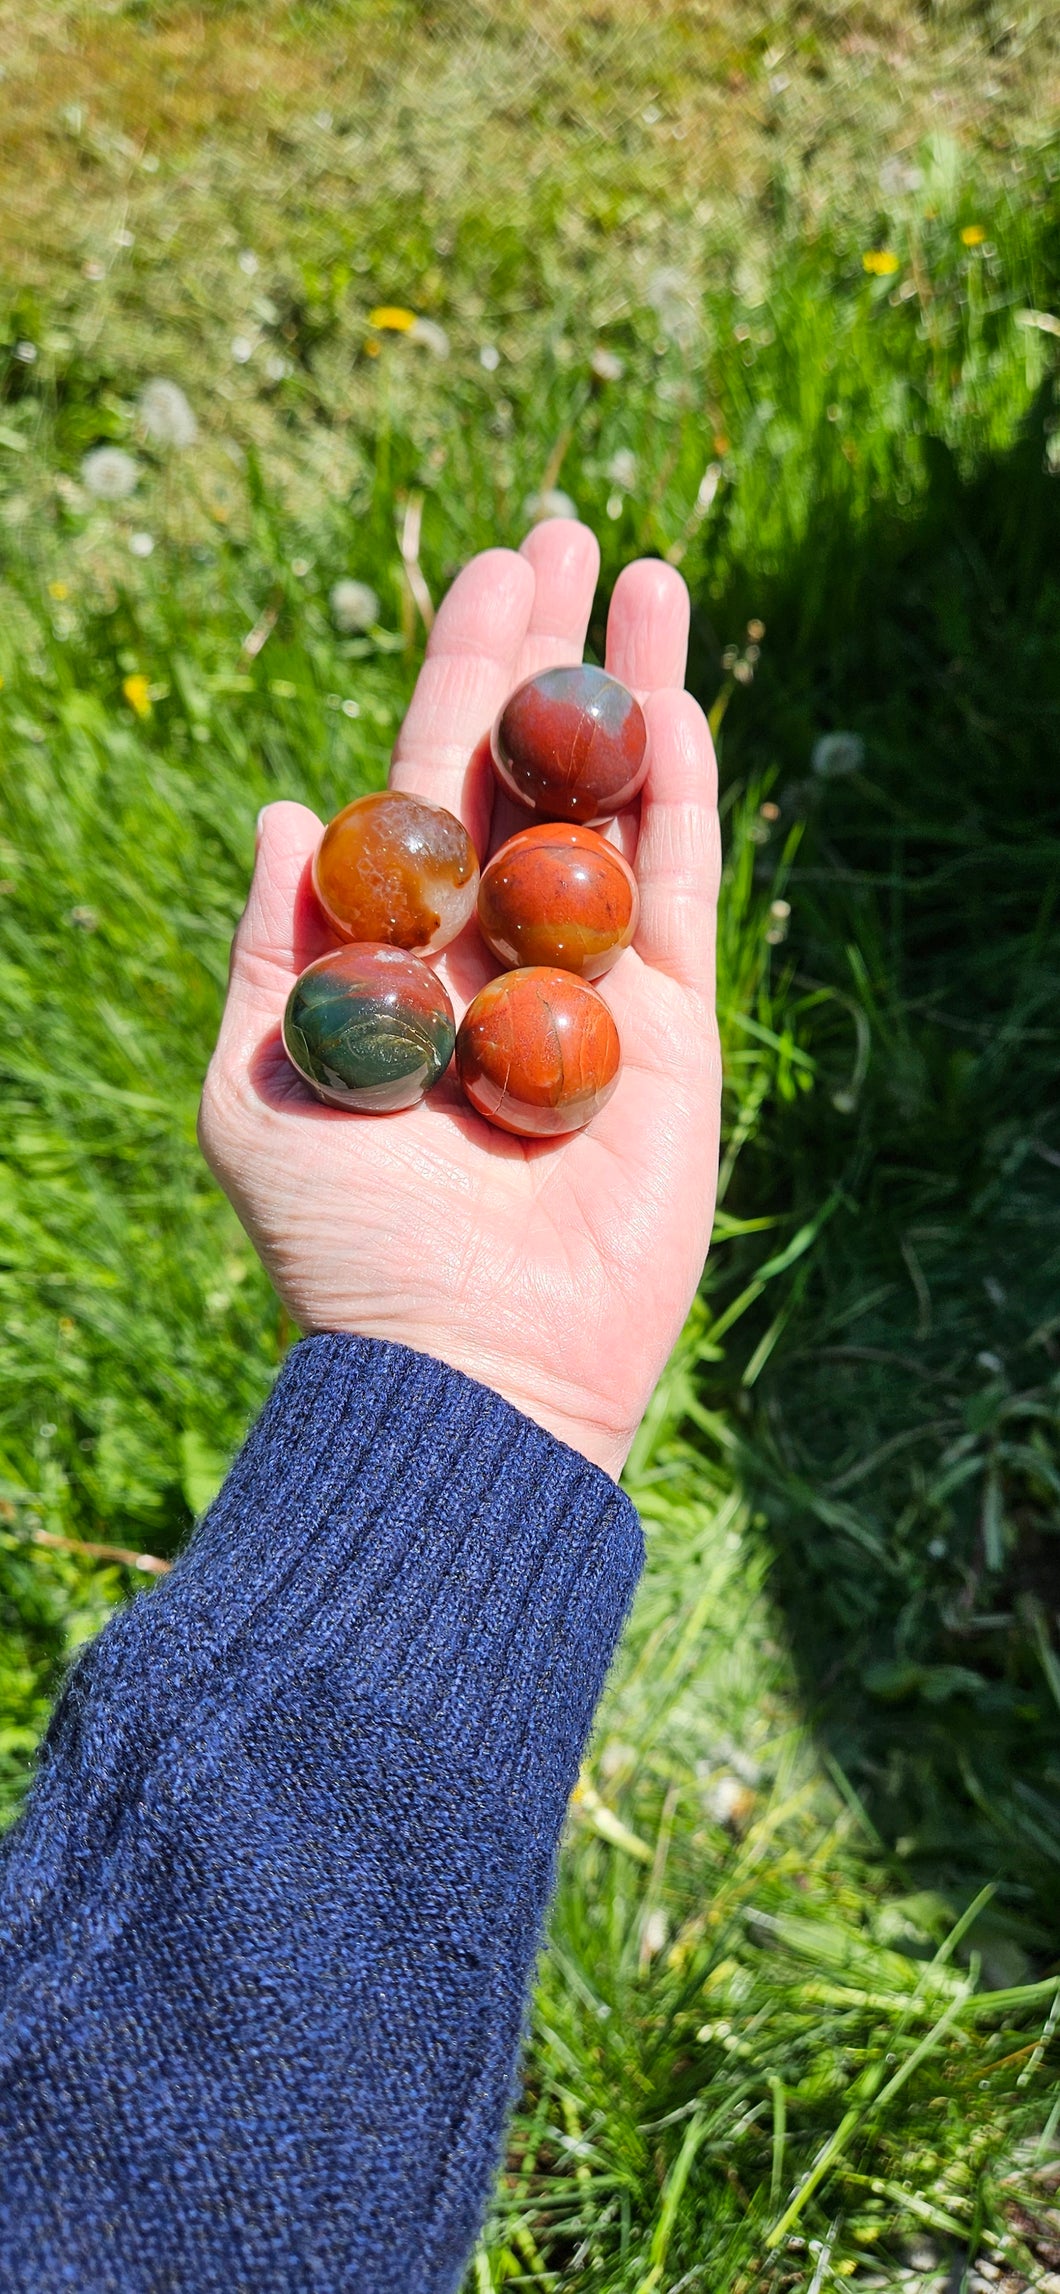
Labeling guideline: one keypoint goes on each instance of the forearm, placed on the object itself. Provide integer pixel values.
(270, 1918)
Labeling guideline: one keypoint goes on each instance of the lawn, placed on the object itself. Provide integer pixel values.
(777, 300)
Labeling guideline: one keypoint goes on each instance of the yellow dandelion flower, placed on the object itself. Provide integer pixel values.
(58, 590)
(390, 318)
(137, 693)
(973, 235)
(880, 262)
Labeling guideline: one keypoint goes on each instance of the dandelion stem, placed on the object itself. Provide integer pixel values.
(409, 545)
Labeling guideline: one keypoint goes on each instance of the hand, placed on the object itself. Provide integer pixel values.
(557, 1272)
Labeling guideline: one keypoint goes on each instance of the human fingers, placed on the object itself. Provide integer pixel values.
(565, 557)
(468, 671)
(647, 627)
(280, 931)
(678, 854)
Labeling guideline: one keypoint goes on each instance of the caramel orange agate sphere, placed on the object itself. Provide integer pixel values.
(390, 867)
(559, 894)
(571, 744)
(537, 1052)
(369, 1027)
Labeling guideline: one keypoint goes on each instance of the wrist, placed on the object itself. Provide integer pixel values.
(601, 1445)
(578, 1421)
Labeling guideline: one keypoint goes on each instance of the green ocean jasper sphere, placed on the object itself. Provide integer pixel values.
(369, 1028)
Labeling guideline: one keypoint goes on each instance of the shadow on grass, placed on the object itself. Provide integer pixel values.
(902, 1436)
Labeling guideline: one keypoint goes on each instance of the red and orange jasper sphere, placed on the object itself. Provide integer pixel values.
(370, 1028)
(558, 894)
(537, 1052)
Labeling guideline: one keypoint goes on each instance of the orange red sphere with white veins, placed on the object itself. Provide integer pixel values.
(559, 894)
(537, 1052)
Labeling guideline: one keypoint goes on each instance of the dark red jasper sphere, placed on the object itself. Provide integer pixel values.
(537, 1052)
(559, 894)
(571, 744)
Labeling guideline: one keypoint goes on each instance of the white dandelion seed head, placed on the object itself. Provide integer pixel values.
(354, 606)
(141, 545)
(277, 367)
(553, 503)
(110, 474)
(752, 285)
(606, 364)
(27, 352)
(166, 415)
(242, 349)
(668, 292)
(248, 263)
(665, 286)
(489, 357)
(728, 1799)
(622, 469)
(898, 178)
(431, 335)
(837, 754)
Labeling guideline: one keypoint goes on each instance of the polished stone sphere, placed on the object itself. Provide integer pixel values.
(571, 744)
(369, 1028)
(389, 867)
(559, 894)
(537, 1052)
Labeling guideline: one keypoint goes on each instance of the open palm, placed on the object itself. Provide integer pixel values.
(557, 1272)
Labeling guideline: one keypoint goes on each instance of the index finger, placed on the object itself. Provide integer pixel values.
(466, 675)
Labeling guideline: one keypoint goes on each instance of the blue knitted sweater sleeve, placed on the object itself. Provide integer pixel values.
(269, 1919)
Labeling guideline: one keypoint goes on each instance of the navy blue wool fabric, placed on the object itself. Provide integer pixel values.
(269, 1920)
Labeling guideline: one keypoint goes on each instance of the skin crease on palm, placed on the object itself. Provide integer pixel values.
(557, 1272)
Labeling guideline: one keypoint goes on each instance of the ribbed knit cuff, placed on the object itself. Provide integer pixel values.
(393, 1517)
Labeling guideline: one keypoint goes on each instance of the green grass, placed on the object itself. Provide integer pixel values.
(806, 1923)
